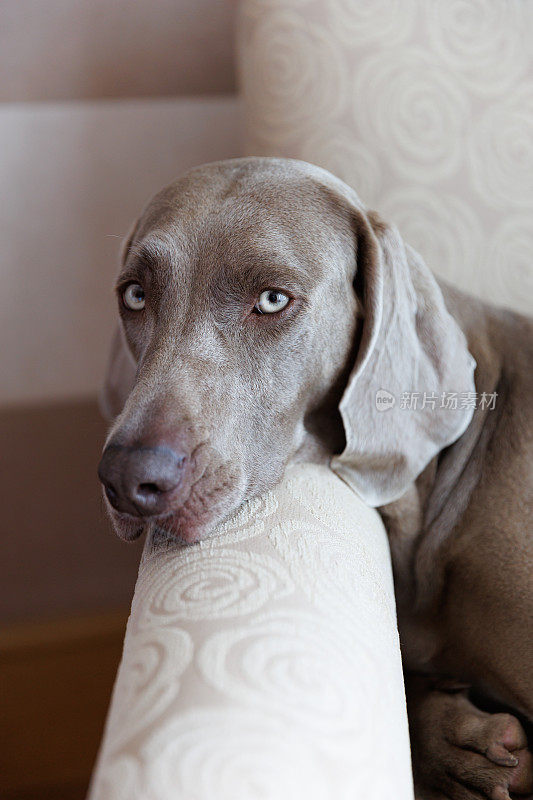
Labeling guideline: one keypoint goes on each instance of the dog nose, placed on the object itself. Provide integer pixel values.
(140, 480)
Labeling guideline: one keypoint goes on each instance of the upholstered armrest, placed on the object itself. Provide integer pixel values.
(263, 662)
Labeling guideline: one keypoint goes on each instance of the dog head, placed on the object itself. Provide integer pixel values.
(262, 312)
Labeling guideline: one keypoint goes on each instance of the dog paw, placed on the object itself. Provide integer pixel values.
(462, 753)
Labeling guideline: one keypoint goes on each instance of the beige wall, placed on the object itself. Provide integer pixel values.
(86, 137)
(425, 108)
(78, 49)
(74, 176)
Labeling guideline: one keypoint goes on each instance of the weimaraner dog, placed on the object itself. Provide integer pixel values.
(267, 318)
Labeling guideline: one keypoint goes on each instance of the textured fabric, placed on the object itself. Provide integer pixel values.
(424, 106)
(263, 663)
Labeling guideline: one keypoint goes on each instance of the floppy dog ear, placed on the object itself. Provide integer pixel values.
(411, 350)
(119, 377)
(121, 367)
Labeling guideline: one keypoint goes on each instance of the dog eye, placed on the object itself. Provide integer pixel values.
(133, 297)
(271, 301)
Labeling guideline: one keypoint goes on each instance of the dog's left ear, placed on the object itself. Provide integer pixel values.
(121, 368)
(119, 377)
(406, 397)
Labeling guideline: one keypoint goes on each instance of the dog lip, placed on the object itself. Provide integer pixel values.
(125, 515)
(178, 537)
(127, 531)
(132, 537)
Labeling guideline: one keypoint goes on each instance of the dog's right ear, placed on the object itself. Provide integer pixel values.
(121, 367)
(411, 357)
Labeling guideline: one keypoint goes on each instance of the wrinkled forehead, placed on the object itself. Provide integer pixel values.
(245, 212)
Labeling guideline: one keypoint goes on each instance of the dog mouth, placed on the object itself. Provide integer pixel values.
(211, 498)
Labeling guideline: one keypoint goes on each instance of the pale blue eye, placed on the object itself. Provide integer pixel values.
(271, 301)
(133, 297)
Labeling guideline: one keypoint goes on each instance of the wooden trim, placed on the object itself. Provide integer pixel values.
(46, 635)
(56, 680)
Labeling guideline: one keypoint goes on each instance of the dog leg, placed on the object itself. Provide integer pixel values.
(460, 752)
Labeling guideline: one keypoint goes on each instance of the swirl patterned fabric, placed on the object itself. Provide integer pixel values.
(263, 663)
(424, 106)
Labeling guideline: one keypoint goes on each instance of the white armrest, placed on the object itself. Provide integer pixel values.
(264, 663)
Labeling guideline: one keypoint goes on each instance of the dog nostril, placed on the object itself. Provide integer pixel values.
(148, 489)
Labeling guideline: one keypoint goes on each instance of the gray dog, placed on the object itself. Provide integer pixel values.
(268, 318)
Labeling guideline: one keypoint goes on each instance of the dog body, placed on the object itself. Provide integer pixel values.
(262, 311)
(462, 547)
(472, 527)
